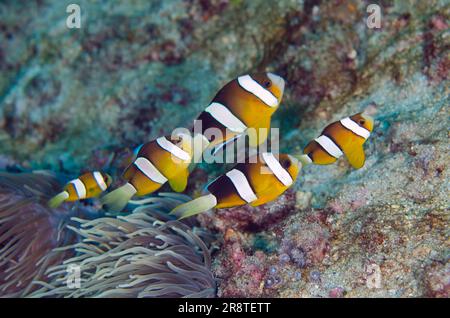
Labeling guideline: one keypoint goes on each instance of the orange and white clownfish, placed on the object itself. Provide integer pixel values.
(248, 101)
(255, 182)
(88, 185)
(165, 159)
(343, 137)
(128, 155)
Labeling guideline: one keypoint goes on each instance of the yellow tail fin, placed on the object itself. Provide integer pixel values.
(195, 206)
(58, 199)
(304, 159)
(116, 200)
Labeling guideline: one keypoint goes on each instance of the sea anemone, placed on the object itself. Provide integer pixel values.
(143, 254)
(29, 231)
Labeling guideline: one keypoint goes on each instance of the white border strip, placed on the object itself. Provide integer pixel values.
(329, 146)
(355, 128)
(252, 86)
(275, 166)
(150, 170)
(242, 186)
(100, 181)
(137, 149)
(225, 117)
(174, 150)
(80, 188)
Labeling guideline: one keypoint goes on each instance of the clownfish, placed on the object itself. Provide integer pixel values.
(258, 181)
(248, 101)
(165, 159)
(129, 155)
(343, 137)
(88, 185)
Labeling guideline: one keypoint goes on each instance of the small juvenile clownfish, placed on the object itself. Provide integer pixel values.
(165, 159)
(88, 185)
(343, 137)
(260, 180)
(246, 102)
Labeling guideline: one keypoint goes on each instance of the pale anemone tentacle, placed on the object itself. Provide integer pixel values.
(30, 231)
(148, 254)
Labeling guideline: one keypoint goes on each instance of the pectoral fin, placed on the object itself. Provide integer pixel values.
(267, 193)
(179, 182)
(268, 196)
(356, 157)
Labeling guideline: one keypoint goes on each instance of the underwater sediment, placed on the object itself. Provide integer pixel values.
(74, 100)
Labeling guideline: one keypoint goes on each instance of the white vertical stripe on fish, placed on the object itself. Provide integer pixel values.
(174, 150)
(275, 166)
(100, 181)
(224, 116)
(355, 128)
(80, 188)
(147, 168)
(242, 186)
(252, 86)
(329, 146)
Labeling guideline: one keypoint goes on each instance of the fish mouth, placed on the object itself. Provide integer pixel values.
(369, 120)
(278, 81)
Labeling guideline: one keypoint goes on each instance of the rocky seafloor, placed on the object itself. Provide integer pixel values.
(74, 100)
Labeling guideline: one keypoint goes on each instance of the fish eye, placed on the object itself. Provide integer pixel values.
(362, 121)
(286, 163)
(267, 84)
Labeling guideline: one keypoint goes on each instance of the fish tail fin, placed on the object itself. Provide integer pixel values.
(304, 159)
(118, 199)
(196, 206)
(58, 199)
